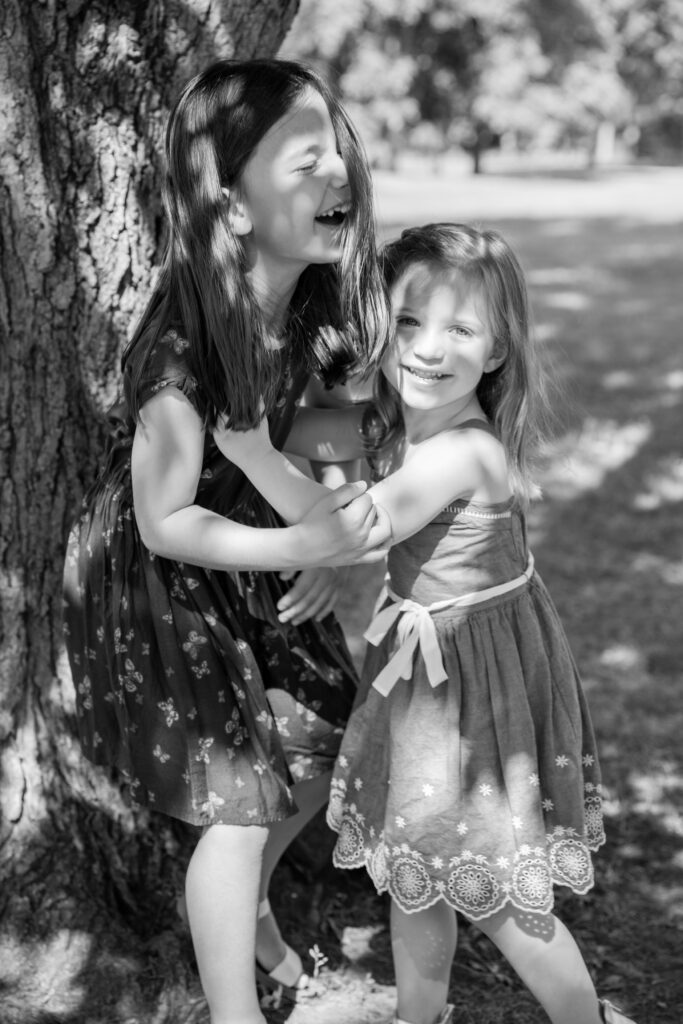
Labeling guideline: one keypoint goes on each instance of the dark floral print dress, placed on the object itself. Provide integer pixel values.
(187, 686)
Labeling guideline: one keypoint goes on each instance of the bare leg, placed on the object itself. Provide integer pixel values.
(222, 894)
(423, 946)
(310, 796)
(547, 959)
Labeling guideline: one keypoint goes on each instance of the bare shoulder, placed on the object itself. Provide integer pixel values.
(465, 442)
(481, 462)
(168, 425)
(169, 406)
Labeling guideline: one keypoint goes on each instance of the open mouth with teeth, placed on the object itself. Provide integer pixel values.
(335, 216)
(428, 376)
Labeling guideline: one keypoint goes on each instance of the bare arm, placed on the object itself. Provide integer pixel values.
(454, 464)
(166, 464)
(435, 472)
(285, 487)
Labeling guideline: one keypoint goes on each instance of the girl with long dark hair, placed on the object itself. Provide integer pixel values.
(216, 691)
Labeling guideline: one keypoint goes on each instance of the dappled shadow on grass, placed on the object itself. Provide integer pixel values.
(631, 947)
(608, 541)
(90, 933)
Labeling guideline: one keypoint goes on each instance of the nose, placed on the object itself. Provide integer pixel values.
(339, 177)
(428, 346)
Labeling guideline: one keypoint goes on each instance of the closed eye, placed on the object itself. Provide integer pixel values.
(308, 168)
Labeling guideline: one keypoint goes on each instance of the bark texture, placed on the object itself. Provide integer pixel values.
(85, 89)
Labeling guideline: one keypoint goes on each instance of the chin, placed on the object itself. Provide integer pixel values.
(329, 255)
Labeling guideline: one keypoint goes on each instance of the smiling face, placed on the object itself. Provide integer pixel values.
(294, 192)
(443, 345)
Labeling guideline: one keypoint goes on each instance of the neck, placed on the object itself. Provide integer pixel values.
(420, 424)
(273, 285)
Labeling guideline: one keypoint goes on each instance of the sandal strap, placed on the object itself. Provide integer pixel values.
(611, 1014)
(445, 1018)
(289, 971)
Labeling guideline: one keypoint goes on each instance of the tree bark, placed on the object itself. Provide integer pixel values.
(86, 87)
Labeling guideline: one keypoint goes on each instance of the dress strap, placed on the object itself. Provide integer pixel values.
(416, 627)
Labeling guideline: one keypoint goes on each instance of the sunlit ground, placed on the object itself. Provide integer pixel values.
(511, 190)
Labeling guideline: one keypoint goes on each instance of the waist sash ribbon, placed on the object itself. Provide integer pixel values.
(416, 627)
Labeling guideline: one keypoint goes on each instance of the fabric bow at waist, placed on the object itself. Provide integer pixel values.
(416, 627)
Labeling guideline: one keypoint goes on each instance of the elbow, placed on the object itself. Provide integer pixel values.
(151, 535)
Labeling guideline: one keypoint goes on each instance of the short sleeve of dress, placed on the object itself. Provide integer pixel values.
(167, 366)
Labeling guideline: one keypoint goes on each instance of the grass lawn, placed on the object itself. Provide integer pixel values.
(604, 258)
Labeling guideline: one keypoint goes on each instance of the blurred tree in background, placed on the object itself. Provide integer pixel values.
(433, 75)
(649, 38)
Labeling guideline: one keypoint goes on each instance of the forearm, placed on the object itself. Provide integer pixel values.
(201, 537)
(291, 493)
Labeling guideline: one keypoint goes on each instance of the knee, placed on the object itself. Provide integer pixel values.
(245, 840)
(510, 920)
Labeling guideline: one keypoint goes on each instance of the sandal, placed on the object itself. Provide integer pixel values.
(445, 1018)
(611, 1014)
(287, 980)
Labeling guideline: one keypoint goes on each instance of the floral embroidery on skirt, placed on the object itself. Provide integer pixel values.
(483, 790)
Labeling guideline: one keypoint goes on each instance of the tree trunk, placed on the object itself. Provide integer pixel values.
(85, 887)
(602, 151)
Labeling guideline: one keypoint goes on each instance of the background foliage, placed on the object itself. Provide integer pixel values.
(525, 74)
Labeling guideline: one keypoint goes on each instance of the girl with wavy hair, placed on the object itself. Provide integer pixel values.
(468, 778)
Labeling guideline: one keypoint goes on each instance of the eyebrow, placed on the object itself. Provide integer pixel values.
(304, 149)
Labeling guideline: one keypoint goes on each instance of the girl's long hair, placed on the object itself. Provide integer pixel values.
(514, 396)
(338, 314)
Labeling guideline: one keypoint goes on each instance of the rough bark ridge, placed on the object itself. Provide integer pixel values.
(86, 87)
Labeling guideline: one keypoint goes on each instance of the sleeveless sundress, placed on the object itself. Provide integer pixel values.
(206, 707)
(468, 772)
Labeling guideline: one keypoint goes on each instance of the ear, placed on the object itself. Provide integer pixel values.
(497, 357)
(240, 221)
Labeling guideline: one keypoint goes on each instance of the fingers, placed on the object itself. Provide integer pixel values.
(313, 595)
(344, 495)
(347, 525)
(306, 609)
(377, 539)
(381, 532)
(309, 607)
(358, 519)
